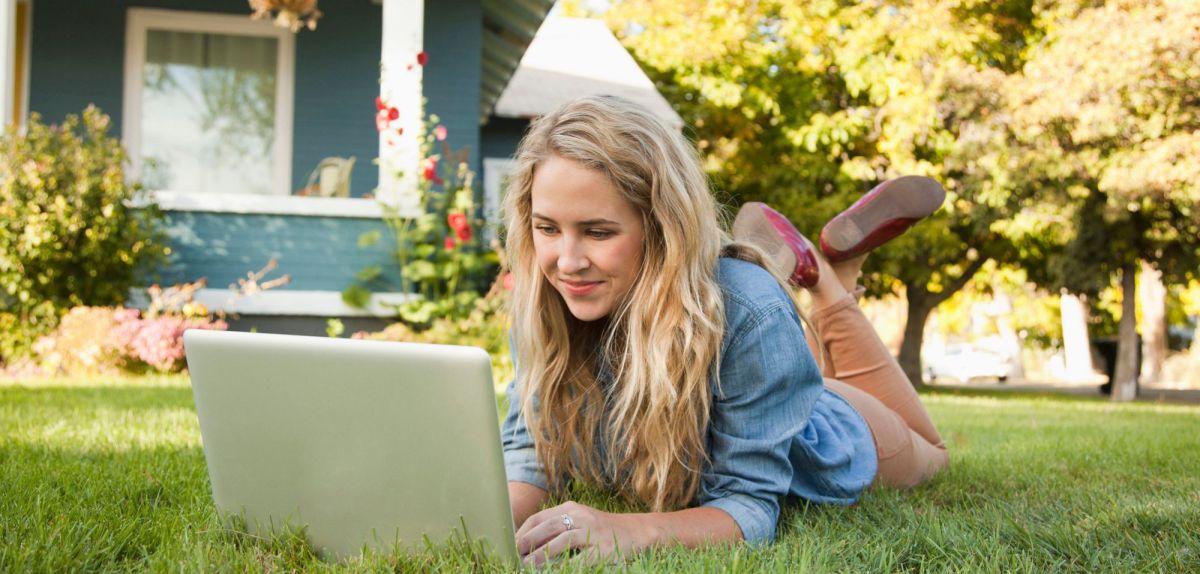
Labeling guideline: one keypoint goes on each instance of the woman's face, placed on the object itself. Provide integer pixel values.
(587, 238)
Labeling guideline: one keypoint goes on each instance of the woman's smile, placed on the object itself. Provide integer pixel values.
(578, 288)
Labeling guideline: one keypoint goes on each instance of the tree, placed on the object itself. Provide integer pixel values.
(1107, 114)
(805, 105)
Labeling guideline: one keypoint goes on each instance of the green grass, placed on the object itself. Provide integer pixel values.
(108, 475)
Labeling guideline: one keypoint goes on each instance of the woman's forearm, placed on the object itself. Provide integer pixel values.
(691, 527)
(525, 499)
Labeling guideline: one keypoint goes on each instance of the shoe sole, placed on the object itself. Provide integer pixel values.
(752, 226)
(915, 197)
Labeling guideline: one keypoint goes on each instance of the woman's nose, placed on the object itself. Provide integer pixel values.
(572, 257)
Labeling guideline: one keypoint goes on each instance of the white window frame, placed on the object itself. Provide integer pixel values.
(495, 169)
(140, 20)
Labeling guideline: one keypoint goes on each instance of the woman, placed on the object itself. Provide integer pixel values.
(659, 361)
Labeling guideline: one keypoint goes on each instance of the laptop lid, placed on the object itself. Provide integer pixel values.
(359, 442)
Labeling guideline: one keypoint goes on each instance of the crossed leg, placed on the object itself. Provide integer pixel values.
(859, 368)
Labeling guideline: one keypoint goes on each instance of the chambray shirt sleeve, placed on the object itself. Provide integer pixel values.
(520, 458)
(769, 383)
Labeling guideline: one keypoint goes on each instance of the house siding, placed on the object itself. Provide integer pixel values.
(502, 135)
(77, 58)
(337, 70)
(454, 44)
(319, 253)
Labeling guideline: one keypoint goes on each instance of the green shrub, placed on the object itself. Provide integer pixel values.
(485, 325)
(69, 234)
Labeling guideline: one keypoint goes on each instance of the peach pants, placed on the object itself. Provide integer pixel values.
(859, 368)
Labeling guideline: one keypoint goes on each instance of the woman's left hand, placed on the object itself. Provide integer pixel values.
(572, 527)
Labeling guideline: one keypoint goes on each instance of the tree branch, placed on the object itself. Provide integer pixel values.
(957, 284)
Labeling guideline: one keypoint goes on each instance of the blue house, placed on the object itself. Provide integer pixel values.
(245, 130)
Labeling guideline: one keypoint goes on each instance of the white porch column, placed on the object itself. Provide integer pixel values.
(400, 87)
(8, 55)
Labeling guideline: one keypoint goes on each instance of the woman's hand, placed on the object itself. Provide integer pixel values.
(600, 536)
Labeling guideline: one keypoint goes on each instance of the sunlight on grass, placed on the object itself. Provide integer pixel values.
(108, 474)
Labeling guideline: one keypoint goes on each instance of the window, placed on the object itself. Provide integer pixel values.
(208, 103)
(495, 179)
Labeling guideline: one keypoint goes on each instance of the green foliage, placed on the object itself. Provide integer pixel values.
(807, 105)
(334, 328)
(485, 326)
(69, 234)
(438, 250)
(1107, 122)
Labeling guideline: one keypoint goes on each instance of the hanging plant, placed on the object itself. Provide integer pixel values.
(291, 14)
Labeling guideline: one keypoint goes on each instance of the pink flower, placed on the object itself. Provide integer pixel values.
(381, 120)
(448, 243)
(440, 132)
(379, 103)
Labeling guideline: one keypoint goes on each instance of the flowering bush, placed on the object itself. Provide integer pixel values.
(69, 235)
(99, 340)
(103, 340)
(158, 341)
(83, 343)
(485, 326)
(438, 252)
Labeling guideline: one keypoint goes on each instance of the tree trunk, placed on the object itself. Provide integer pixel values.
(1077, 350)
(920, 304)
(919, 308)
(1124, 385)
(1153, 297)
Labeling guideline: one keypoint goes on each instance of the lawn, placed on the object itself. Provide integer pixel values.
(108, 475)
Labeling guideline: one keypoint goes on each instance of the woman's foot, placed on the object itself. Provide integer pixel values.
(786, 249)
(879, 216)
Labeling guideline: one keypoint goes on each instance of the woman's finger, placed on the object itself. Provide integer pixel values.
(546, 528)
(542, 516)
(552, 514)
(567, 540)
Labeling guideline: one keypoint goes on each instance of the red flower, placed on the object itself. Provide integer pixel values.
(462, 228)
(393, 114)
(449, 243)
(422, 58)
(430, 171)
(379, 105)
(508, 281)
(440, 132)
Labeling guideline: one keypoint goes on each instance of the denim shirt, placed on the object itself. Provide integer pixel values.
(774, 429)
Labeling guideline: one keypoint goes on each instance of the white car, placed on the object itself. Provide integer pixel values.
(966, 363)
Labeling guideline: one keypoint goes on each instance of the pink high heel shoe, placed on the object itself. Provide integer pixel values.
(882, 214)
(787, 250)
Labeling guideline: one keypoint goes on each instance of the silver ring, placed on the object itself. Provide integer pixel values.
(568, 522)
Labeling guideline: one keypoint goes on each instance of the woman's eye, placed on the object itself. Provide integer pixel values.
(545, 229)
(599, 233)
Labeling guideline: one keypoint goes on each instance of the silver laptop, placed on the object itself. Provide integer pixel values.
(360, 443)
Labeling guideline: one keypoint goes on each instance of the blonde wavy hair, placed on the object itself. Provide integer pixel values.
(661, 342)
